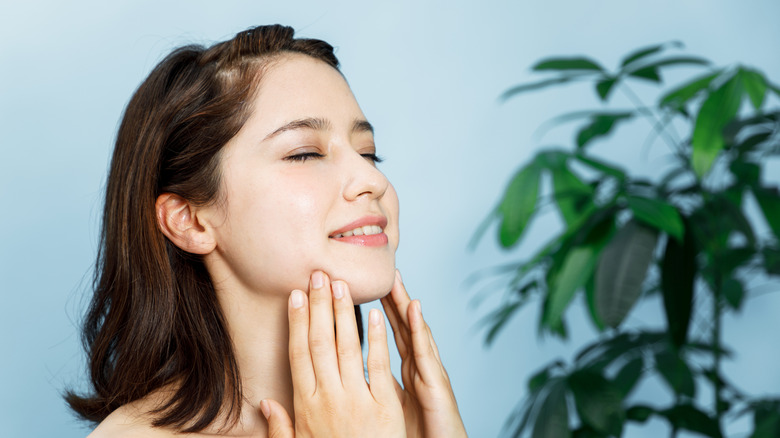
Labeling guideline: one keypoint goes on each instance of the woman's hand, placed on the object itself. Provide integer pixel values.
(429, 405)
(330, 393)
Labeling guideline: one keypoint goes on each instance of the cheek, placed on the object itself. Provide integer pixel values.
(274, 227)
(392, 210)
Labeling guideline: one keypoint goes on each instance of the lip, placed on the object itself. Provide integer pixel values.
(371, 240)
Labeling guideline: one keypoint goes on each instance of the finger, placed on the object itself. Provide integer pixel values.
(378, 362)
(322, 339)
(279, 423)
(403, 342)
(428, 365)
(400, 298)
(431, 340)
(350, 356)
(400, 333)
(399, 390)
(300, 356)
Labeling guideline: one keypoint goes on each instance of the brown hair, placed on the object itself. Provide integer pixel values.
(154, 320)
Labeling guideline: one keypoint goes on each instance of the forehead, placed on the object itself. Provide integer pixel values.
(298, 86)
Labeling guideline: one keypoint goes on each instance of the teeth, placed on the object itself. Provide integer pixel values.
(368, 230)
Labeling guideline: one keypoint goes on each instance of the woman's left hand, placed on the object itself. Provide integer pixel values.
(429, 405)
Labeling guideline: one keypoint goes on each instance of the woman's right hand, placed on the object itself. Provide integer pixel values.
(330, 392)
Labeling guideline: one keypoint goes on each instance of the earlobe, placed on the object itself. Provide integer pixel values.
(178, 220)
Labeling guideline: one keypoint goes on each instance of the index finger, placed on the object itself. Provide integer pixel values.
(300, 357)
(401, 299)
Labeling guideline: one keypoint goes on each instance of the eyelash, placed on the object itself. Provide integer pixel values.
(309, 155)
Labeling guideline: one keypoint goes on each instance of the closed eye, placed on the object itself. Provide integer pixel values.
(304, 156)
(373, 158)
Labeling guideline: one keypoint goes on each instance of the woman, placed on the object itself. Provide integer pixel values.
(244, 217)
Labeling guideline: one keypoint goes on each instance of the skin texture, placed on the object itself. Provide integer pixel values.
(274, 222)
(285, 193)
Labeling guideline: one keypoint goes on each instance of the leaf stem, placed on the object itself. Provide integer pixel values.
(653, 119)
(716, 351)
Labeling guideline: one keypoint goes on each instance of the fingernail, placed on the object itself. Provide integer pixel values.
(317, 280)
(374, 317)
(398, 274)
(338, 289)
(265, 408)
(296, 298)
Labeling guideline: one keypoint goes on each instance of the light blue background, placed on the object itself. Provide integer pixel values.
(427, 75)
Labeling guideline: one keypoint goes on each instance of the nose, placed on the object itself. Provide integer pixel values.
(363, 179)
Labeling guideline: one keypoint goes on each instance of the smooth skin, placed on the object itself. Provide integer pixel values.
(331, 393)
(301, 168)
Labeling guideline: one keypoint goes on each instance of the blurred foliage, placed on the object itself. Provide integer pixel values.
(684, 236)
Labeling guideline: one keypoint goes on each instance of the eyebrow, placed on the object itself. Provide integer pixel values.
(319, 124)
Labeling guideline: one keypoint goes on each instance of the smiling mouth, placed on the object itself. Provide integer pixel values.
(367, 230)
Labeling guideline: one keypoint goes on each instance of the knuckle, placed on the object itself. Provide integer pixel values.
(347, 350)
(320, 344)
(298, 352)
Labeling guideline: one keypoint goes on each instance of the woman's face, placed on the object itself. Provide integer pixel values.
(299, 186)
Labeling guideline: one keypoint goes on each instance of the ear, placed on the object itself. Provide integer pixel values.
(178, 220)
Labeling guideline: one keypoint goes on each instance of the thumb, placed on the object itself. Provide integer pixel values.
(279, 423)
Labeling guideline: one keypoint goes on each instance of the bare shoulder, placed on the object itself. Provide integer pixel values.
(128, 421)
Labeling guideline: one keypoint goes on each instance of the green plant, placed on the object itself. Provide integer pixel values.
(686, 236)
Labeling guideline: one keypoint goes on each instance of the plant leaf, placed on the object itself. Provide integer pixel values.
(571, 194)
(552, 420)
(718, 109)
(576, 268)
(750, 143)
(522, 88)
(603, 167)
(746, 172)
(678, 273)
(675, 60)
(538, 380)
(552, 159)
(675, 372)
(649, 73)
(518, 205)
(755, 86)
(657, 214)
(685, 416)
(769, 201)
(622, 267)
(766, 418)
(523, 414)
(771, 260)
(605, 86)
(575, 63)
(590, 299)
(498, 318)
(600, 125)
(647, 51)
(598, 401)
(734, 292)
(602, 353)
(628, 376)
(687, 91)
(639, 413)
(767, 428)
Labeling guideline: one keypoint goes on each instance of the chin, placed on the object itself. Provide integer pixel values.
(369, 285)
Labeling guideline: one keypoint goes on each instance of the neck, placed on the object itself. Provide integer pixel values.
(258, 327)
